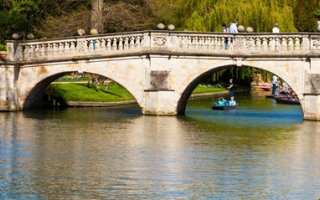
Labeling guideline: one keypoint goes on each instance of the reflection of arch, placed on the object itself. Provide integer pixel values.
(35, 98)
(197, 78)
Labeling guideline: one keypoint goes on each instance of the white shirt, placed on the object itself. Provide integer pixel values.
(275, 30)
(274, 79)
(233, 28)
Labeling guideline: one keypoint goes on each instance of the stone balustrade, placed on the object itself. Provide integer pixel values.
(148, 42)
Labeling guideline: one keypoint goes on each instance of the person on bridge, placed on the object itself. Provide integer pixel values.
(276, 29)
(234, 27)
(225, 29)
(231, 89)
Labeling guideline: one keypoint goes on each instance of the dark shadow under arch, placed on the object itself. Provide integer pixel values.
(36, 97)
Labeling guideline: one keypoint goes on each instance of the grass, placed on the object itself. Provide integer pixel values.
(203, 89)
(80, 92)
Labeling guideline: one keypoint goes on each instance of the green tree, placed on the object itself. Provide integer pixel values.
(208, 15)
(304, 15)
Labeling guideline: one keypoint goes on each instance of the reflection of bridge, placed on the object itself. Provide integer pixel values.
(160, 69)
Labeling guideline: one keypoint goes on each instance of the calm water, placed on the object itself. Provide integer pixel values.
(262, 150)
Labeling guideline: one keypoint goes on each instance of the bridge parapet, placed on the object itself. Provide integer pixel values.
(77, 48)
(148, 42)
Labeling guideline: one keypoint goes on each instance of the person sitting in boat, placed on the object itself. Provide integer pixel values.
(232, 103)
(284, 88)
(292, 95)
(221, 102)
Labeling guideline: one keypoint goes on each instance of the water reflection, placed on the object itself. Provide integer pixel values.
(120, 154)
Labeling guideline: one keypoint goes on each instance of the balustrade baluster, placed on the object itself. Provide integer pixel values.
(277, 44)
(120, 45)
(62, 48)
(264, 44)
(72, 47)
(102, 44)
(114, 44)
(251, 44)
(43, 50)
(189, 41)
(108, 45)
(297, 44)
(198, 42)
(201, 42)
(131, 43)
(220, 42)
(138, 41)
(205, 42)
(214, 42)
(31, 50)
(284, 43)
(56, 49)
(290, 43)
(192, 41)
(210, 42)
(35, 50)
(126, 43)
(66, 47)
(182, 40)
(258, 43)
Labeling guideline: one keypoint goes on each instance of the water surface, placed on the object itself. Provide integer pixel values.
(262, 150)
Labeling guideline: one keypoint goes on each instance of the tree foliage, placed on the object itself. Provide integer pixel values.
(58, 18)
(23, 16)
(305, 15)
(208, 15)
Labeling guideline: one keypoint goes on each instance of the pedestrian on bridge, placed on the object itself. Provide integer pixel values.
(234, 27)
(225, 29)
(276, 29)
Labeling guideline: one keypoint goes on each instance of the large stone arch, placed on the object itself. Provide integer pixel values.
(290, 70)
(34, 79)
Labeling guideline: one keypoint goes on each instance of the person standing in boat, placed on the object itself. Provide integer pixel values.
(231, 89)
(274, 84)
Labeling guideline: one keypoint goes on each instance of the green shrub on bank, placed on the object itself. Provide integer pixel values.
(3, 47)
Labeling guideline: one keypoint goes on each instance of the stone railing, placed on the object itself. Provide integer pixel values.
(162, 42)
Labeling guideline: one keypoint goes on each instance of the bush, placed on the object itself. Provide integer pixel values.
(3, 47)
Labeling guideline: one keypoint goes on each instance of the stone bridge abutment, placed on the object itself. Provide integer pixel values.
(160, 69)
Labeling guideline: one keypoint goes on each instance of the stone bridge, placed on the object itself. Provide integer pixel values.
(159, 68)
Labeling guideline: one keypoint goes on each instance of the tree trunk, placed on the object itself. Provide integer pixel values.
(97, 15)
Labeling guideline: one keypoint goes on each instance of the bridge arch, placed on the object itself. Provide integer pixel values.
(190, 82)
(37, 78)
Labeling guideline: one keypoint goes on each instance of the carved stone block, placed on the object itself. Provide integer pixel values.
(158, 80)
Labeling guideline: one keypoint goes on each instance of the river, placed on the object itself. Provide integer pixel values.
(262, 150)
